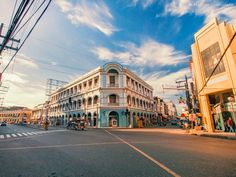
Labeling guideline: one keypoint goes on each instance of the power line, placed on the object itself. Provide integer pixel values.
(26, 22)
(221, 58)
(27, 35)
(13, 12)
(15, 20)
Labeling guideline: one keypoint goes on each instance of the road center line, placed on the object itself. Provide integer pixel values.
(58, 146)
(146, 155)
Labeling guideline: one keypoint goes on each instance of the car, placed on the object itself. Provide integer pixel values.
(3, 124)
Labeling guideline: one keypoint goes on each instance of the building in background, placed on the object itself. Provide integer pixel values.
(108, 96)
(217, 97)
(15, 114)
(171, 109)
(39, 113)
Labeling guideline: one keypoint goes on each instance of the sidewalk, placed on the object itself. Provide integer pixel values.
(217, 134)
(222, 135)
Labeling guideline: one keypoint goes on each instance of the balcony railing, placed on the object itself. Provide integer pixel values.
(113, 104)
(113, 85)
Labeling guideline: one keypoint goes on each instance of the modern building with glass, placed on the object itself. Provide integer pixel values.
(108, 96)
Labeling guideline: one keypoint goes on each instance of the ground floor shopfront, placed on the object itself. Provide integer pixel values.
(105, 117)
(216, 109)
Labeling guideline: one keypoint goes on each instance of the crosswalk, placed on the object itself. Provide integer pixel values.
(24, 134)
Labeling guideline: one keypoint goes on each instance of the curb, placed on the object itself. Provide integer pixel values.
(218, 136)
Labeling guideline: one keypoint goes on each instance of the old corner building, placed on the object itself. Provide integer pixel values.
(217, 98)
(108, 96)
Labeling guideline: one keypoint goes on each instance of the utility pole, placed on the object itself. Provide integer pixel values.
(6, 38)
(185, 88)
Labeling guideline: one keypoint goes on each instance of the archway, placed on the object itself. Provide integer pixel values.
(113, 119)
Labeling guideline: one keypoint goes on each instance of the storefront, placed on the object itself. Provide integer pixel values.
(222, 107)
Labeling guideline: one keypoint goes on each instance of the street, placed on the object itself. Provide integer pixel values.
(111, 152)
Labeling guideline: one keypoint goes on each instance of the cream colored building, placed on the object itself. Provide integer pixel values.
(216, 99)
(108, 96)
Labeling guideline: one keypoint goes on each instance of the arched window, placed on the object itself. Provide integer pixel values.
(137, 101)
(89, 101)
(129, 100)
(133, 101)
(84, 101)
(95, 100)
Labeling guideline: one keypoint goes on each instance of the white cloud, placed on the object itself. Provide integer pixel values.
(149, 53)
(144, 3)
(21, 59)
(27, 96)
(15, 77)
(95, 15)
(209, 9)
(159, 79)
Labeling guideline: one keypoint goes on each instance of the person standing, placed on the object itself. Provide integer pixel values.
(230, 124)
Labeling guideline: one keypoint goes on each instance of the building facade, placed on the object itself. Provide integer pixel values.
(172, 111)
(15, 115)
(108, 96)
(217, 97)
(39, 113)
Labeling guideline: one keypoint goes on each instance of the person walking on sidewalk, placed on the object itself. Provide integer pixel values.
(230, 125)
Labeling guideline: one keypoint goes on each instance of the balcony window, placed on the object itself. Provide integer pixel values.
(112, 80)
(112, 99)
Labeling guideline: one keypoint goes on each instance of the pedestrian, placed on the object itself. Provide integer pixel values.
(225, 125)
(230, 124)
(46, 124)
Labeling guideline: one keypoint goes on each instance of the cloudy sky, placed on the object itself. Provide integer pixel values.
(150, 37)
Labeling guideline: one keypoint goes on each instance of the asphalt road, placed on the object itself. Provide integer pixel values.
(110, 152)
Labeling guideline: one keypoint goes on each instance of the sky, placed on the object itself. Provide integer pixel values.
(150, 37)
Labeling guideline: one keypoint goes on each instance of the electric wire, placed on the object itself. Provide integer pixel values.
(19, 22)
(27, 35)
(13, 13)
(15, 20)
(26, 22)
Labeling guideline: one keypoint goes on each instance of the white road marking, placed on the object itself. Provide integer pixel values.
(59, 146)
(1, 136)
(25, 134)
(19, 134)
(29, 133)
(34, 133)
(8, 136)
(146, 155)
(14, 135)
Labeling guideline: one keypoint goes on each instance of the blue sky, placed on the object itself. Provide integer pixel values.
(151, 37)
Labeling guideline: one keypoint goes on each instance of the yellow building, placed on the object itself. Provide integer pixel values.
(15, 115)
(217, 91)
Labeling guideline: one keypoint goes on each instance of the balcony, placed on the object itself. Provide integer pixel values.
(113, 85)
(113, 104)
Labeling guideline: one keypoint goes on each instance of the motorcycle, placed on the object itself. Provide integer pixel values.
(72, 125)
(76, 125)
